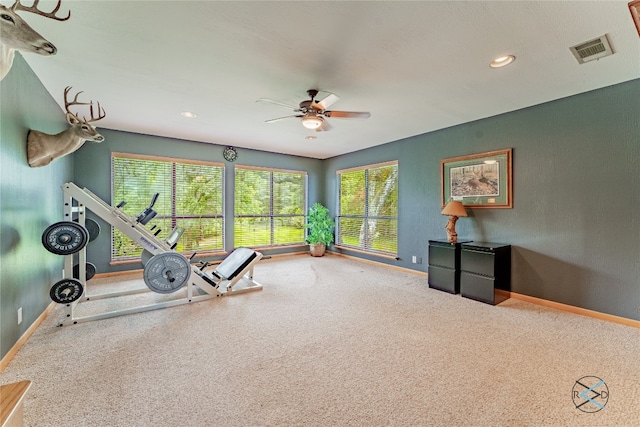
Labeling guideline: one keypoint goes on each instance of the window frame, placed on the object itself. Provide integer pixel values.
(173, 217)
(365, 216)
(271, 215)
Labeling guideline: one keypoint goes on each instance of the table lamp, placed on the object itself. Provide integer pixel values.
(454, 209)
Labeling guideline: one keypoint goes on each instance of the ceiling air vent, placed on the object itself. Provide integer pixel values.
(591, 50)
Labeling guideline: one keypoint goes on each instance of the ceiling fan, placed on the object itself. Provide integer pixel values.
(312, 113)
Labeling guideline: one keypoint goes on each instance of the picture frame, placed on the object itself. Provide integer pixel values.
(482, 180)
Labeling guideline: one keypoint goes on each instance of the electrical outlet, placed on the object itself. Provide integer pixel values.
(413, 259)
(19, 315)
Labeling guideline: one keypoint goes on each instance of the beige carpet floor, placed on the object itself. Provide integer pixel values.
(328, 342)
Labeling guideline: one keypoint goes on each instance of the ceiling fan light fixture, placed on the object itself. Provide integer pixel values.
(502, 61)
(312, 121)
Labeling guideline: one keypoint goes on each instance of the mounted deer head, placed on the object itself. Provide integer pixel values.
(16, 34)
(42, 148)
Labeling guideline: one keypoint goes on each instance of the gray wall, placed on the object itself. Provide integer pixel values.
(93, 171)
(30, 200)
(575, 224)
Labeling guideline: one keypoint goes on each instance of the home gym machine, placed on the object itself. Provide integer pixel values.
(165, 270)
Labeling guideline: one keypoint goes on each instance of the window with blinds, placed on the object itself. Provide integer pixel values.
(191, 197)
(269, 206)
(368, 208)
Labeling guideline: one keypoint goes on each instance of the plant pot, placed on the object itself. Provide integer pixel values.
(317, 249)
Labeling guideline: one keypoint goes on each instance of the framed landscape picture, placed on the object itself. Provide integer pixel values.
(478, 180)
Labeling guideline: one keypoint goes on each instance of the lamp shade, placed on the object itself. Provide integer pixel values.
(454, 208)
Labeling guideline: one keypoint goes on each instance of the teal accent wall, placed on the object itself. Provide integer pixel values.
(30, 200)
(93, 171)
(575, 223)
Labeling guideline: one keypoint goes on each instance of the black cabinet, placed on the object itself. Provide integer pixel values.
(444, 266)
(485, 271)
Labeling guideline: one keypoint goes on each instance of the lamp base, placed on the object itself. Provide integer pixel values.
(452, 236)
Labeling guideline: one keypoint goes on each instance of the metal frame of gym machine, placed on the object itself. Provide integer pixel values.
(200, 286)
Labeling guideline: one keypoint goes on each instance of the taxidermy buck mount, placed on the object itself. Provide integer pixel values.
(16, 34)
(42, 148)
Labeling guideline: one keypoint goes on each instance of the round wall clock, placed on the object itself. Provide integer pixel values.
(230, 154)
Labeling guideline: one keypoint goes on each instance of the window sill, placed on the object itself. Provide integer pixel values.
(277, 247)
(199, 255)
(215, 254)
(125, 261)
(360, 251)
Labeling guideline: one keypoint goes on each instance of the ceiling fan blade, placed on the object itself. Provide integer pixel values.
(326, 102)
(281, 118)
(281, 104)
(348, 114)
(324, 127)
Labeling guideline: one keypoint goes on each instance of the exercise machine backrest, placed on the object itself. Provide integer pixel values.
(235, 262)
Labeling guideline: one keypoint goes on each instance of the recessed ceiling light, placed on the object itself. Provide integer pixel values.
(189, 114)
(502, 61)
(310, 137)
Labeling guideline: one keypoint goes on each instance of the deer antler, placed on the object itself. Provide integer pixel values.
(34, 9)
(75, 101)
(101, 113)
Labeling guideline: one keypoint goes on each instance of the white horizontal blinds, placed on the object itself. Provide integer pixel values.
(252, 194)
(368, 208)
(198, 206)
(382, 209)
(352, 207)
(135, 181)
(190, 196)
(269, 207)
(288, 203)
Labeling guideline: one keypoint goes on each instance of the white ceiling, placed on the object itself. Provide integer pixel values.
(416, 66)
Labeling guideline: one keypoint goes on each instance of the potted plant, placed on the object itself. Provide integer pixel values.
(320, 226)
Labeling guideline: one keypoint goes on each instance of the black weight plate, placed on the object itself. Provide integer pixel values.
(93, 228)
(65, 238)
(66, 291)
(90, 271)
